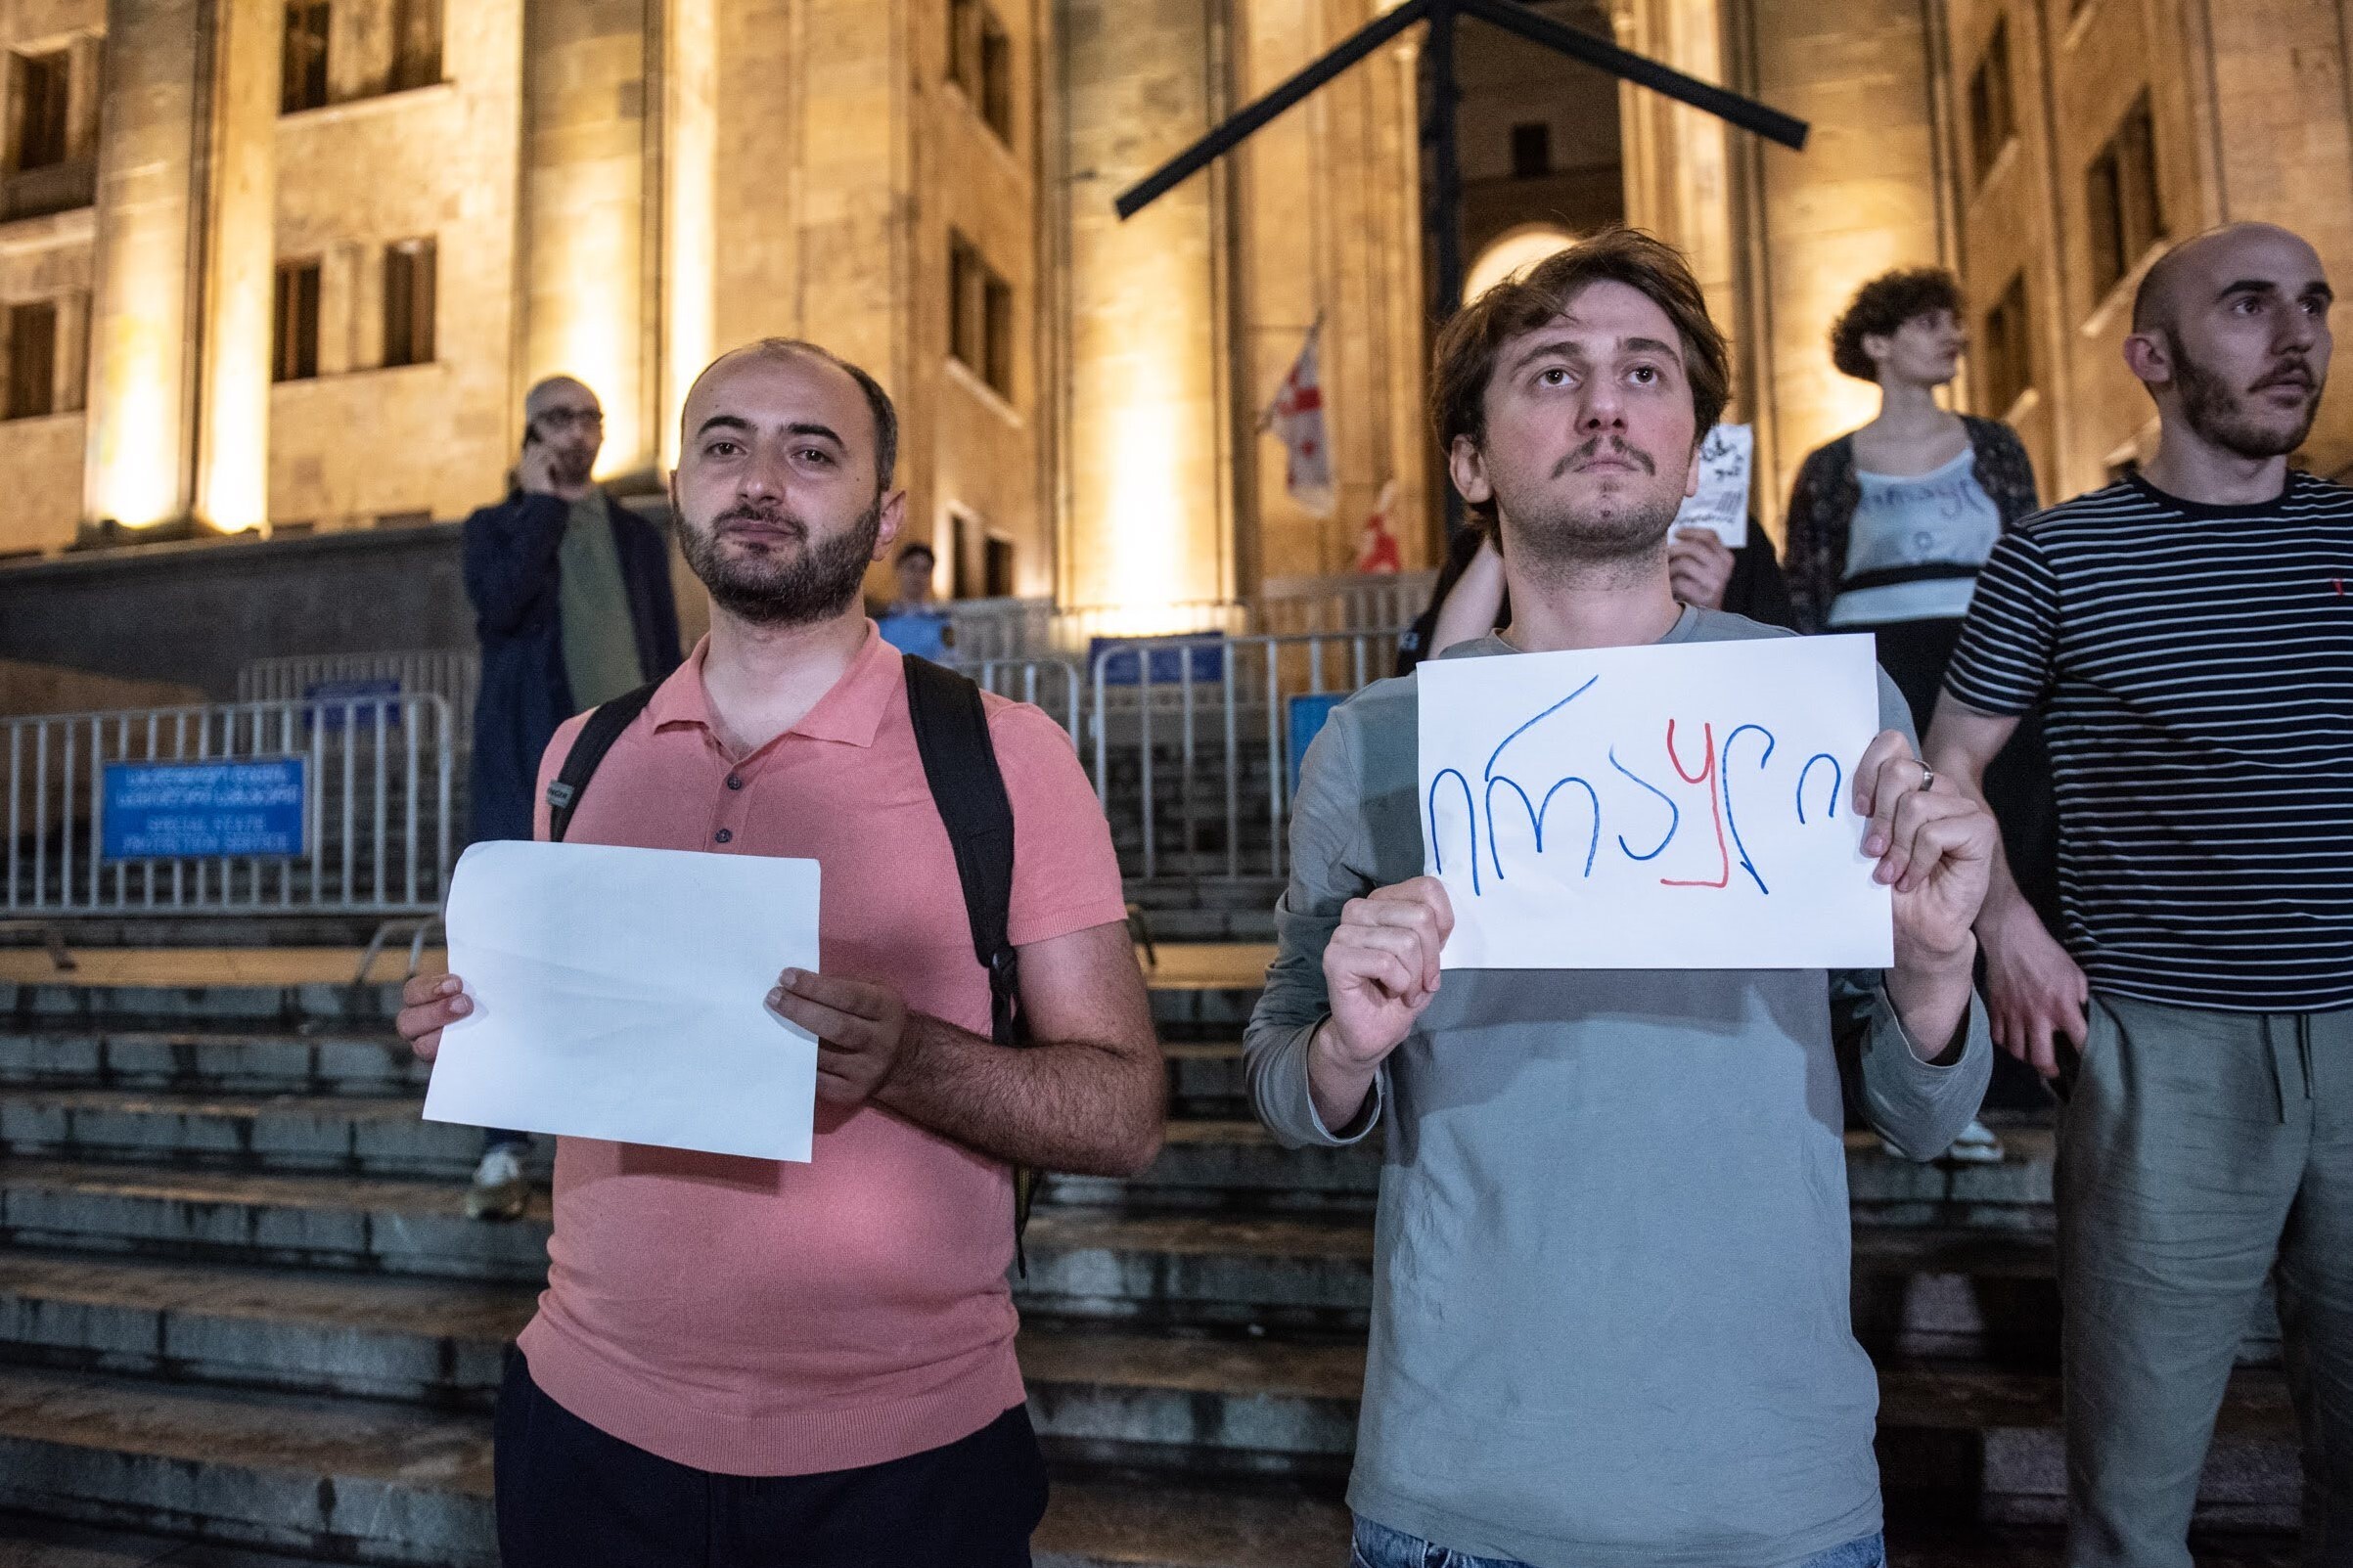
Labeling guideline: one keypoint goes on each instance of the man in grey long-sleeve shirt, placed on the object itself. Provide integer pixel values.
(1609, 1324)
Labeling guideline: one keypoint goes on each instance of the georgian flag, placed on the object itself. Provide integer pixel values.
(1297, 417)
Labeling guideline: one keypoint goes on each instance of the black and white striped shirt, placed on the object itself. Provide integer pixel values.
(2197, 662)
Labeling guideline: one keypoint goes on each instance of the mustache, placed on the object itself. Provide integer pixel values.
(1617, 449)
(2290, 372)
(764, 517)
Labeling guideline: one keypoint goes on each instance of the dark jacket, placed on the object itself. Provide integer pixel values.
(1823, 503)
(510, 576)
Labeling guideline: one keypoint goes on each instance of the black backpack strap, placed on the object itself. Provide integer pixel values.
(596, 738)
(960, 764)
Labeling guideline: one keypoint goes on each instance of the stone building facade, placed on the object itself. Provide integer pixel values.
(275, 269)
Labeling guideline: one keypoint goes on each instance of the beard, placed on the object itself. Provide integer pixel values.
(571, 465)
(2217, 411)
(1620, 532)
(815, 583)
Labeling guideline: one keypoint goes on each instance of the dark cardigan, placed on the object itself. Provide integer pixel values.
(1822, 508)
(513, 578)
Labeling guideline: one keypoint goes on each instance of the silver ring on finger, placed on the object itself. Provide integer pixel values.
(1928, 779)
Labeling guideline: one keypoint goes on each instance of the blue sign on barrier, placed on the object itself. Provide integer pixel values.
(1123, 658)
(361, 699)
(203, 810)
(1307, 716)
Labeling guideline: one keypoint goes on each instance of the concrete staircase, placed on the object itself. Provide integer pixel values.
(239, 1303)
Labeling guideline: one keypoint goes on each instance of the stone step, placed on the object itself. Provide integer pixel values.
(344, 1135)
(354, 1483)
(1989, 1296)
(375, 1223)
(1203, 1074)
(1278, 1272)
(1988, 1445)
(1131, 1520)
(1230, 1163)
(1193, 1404)
(375, 1482)
(419, 1341)
(50, 1003)
(1205, 1079)
(210, 1062)
(343, 1479)
(1181, 1400)
(1137, 1522)
(1221, 1163)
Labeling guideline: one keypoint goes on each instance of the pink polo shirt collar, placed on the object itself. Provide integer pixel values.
(851, 711)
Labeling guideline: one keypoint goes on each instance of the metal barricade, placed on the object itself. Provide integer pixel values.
(363, 827)
(1195, 741)
(453, 674)
(999, 629)
(1057, 685)
(1359, 601)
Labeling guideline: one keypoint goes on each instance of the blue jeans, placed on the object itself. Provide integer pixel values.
(1380, 1546)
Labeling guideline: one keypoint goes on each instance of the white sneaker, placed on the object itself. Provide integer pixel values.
(499, 1191)
(1976, 1146)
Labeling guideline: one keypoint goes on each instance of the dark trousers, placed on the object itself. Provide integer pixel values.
(571, 1497)
(2017, 788)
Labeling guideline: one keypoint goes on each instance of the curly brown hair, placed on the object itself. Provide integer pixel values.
(1885, 303)
(1470, 342)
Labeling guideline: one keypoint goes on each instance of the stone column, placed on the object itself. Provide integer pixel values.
(240, 268)
(690, 197)
(139, 458)
(585, 187)
(1149, 521)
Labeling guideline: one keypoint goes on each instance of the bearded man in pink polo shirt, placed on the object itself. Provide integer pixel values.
(742, 1362)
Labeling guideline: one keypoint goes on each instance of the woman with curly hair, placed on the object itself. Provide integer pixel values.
(1888, 527)
(1889, 524)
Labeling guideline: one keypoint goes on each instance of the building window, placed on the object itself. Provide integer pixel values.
(408, 302)
(37, 90)
(979, 316)
(31, 361)
(981, 62)
(294, 340)
(2123, 218)
(1531, 150)
(2006, 350)
(303, 64)
(996, 566)
(1993, 115)
(416, 44)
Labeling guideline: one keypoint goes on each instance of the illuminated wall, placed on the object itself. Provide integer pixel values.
(233, 422)
(585, 228)
(1149, 518)
(1326, 224)
(140, 458)
(690, 194)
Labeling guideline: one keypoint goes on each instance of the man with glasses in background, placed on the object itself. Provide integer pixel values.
(572, 607)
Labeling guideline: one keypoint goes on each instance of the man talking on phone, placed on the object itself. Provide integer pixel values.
(572, 607)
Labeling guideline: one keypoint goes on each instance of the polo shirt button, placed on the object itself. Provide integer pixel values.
(735, 781)
(726, 836)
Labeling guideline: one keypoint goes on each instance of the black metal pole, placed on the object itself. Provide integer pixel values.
(1442, 199)
(1442, 190)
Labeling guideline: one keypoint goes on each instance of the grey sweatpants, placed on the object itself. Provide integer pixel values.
(2199, 1152)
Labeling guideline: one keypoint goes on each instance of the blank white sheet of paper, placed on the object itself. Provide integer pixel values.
(621, 994)
(1678, 807)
